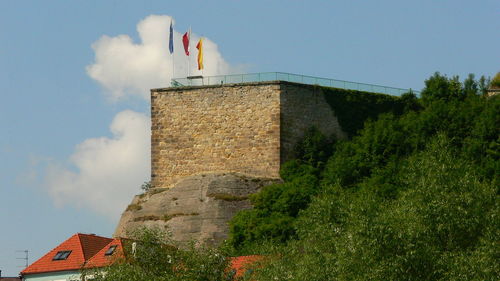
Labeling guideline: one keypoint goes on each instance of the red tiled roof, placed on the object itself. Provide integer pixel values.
(82, 247)
(242, 263)
(101, 259)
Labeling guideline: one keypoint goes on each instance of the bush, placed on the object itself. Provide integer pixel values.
(411, 196)
(146, 186)
(157, 259)
(495, 82)
(436, 228)
(275, 209)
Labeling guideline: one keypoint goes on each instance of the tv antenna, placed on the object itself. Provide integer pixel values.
(25, 258)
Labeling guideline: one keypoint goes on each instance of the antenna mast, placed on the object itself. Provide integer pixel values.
(25, 257)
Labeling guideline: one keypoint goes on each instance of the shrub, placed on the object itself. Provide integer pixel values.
(134, 207)
(495, 82)
(157, 258)
(228, 197)
(442, 225)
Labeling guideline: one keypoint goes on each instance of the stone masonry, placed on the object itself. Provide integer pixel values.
(214, 146)
(247, 128)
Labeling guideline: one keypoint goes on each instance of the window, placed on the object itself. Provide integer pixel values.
(61, 255)
(110, 250)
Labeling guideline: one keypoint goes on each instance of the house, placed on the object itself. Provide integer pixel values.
(82, 253)
(65, 262)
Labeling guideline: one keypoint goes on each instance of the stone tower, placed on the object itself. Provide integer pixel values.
(244, 128)
(212, 146)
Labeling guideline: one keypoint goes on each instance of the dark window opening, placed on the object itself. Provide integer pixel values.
(110, 250)
(61, 255)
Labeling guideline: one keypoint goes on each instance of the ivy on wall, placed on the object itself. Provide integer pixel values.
(353, 108)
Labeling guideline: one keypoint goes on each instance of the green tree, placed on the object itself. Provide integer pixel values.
(276, 207)
(440, 87)
(442, 225)
(495, 82)
(412, 196)
(156, 258)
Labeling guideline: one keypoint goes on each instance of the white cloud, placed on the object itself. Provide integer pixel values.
(109, 170)
(125, 68)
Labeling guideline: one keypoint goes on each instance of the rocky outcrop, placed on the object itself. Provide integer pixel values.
(197, 208)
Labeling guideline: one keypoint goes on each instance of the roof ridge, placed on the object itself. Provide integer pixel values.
(81, 248)
(92, 235)
(49, 252)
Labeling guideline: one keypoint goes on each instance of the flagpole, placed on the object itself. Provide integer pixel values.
(171, 47)
(202, 53)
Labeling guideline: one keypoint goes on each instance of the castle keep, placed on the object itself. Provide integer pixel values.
(247, 128)
(213, 146)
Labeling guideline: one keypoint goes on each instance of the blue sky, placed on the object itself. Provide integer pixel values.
(71, 136)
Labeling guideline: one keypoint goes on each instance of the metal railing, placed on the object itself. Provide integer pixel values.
(282, 76)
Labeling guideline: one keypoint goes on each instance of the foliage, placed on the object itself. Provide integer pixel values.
(440, 87)
(156, 259)
(437, 228)
(495, 82)
(314, 148)
(354, 108)
(276, 206)
(275, 209)
(471, 124)
(134, 207)
(412, 196)
(146, 186)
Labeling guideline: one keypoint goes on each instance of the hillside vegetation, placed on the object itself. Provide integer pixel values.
(412, 196)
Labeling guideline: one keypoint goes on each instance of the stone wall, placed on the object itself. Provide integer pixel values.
(248, 128)
(230, 128)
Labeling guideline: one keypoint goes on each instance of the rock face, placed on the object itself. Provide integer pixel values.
(197, 208)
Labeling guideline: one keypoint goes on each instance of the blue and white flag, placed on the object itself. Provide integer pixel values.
(171, 39)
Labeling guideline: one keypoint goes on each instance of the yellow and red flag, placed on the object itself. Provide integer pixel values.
(200, 54)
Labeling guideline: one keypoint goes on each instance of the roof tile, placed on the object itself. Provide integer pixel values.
(241, 264)
(101, 259)
(82, 247)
